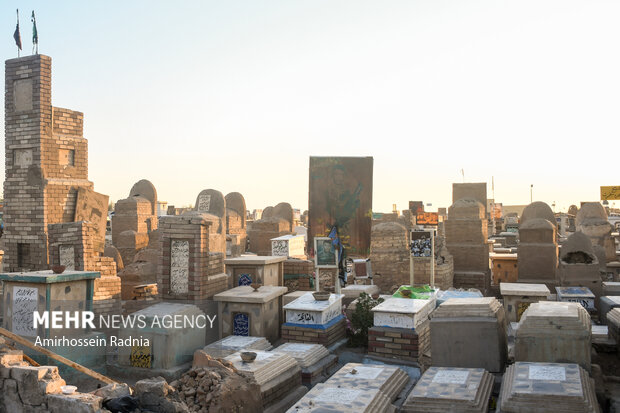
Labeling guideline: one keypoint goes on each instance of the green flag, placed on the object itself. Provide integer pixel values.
(35, 34)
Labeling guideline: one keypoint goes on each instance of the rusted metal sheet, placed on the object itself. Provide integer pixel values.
(341, 194)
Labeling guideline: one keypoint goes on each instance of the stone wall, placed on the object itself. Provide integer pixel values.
(46, 161)
(77, 238)
(466, 232)
(297, 274)
(389, 253)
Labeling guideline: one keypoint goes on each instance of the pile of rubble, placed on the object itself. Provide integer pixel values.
(216, 386)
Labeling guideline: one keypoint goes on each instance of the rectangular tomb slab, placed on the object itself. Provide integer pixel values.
(519, 296)
(402, 312)
(27, 292)
(231, 344)
(581, 295)
(353, 291)
(173, 332)
(448, 389)
(305, 354)
(246, 294)
(540, 290)
(547, 387)
(331, 398)
(307, 311)
(245, 312)
(389, 379)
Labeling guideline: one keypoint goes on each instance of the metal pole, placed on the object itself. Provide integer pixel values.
(433, 259)
(410, 270)
(317, 279)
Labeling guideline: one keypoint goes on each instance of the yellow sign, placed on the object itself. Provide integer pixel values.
(141, 356)
(609, 193)
(521, 307)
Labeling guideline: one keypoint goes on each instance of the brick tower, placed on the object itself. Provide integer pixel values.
(46, 161)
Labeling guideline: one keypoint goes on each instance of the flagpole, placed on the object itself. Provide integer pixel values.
(17, 31)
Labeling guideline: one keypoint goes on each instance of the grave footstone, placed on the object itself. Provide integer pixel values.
(547, 388)
(449, 389)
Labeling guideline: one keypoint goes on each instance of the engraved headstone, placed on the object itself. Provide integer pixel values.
(24, 306)
(204, 202)
(179, 266)
(241, 324)
(22, 157)
(67, 256)
(23, 94)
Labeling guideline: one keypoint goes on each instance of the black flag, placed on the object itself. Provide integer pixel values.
(16, 35)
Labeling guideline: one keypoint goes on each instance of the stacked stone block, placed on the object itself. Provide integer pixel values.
(466, 239)
(400, 343)
(45, 162)
(79, 236)
(334, 332)
(261, 232)
(204, 273)
(537, 253)
(389, 253)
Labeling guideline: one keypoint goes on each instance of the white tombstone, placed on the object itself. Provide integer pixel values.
(307, 310)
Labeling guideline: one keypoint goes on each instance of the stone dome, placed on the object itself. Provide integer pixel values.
(590, 212)
(537, 210)
(578, 249)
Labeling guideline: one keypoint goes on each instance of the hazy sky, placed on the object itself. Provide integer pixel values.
(236, 95)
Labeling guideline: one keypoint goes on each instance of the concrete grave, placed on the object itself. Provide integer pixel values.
(312, 321)
(170, 349)
(518, 296)
(248, 269)
(326, 397)
(554, 331)
(606, 304)
(448, 389)
(390, 380)
(232, 344)
(402, 312)
(25, 293)
(470, 332)
(547, 388)
(307, 311)
(245, 312)
(277, 374)
(314, 359)
(580, 295)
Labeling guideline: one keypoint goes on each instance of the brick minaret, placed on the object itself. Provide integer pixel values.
(46, 161)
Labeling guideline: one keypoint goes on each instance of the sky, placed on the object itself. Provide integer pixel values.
(236, 95)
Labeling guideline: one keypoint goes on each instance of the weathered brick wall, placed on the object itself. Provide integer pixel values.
(40, 185)
(297, 274)
(444, 273)
(205, 269)
(261, 232)
(466, 238)
(400, 343)
(389, 253)
(80, 235)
